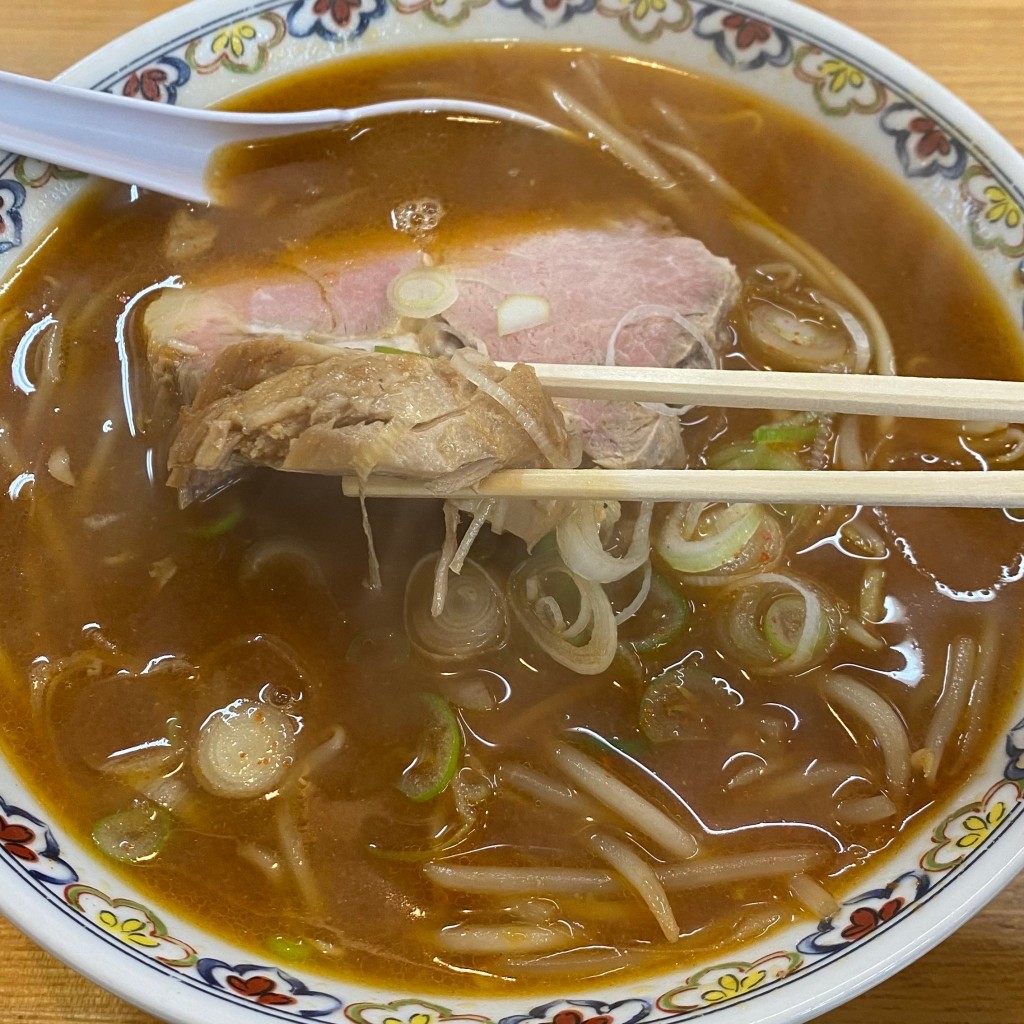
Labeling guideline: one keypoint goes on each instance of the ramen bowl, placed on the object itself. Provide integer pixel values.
(960, 852)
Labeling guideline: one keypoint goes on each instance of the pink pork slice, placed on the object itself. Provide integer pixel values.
(591, 278)
(321, 301)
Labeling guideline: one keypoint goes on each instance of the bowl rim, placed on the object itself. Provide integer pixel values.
(866, 964)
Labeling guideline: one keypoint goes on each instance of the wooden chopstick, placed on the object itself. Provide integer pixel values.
(943, 398)
(964, 489)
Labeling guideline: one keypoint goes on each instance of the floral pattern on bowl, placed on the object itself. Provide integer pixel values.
(12, 197)
(157, 81)
(584, 1011)
(840, 88)
(269, 987)
(996, 218)
(406, 1011)
(861, 917)
(922, 146)
(743, 42)
(243, 47)
(30, 842)
(967, 828)
(333, 20)
(717, 984)
(131, 923)
(865, 914)
(645, 20)
(925, 147)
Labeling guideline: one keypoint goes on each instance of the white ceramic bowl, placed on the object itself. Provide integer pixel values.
(970, 846)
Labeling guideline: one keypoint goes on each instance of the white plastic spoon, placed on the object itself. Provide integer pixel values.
(168, 148)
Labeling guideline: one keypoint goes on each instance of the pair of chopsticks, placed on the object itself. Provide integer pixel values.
(939, 398)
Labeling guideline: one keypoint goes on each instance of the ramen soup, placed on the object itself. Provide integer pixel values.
(516, 743)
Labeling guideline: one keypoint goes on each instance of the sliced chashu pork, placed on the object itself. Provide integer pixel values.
(600, 284)
(312, 408)
(591, 278)
(327, 301)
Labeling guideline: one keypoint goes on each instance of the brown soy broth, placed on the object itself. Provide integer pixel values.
(327, 194)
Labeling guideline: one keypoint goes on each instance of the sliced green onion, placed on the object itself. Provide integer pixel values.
(681, 704)
(667, 709)
(579, 541)
(422, 293)
(786, 434)
(548, 544)
(623, 615)
(475, 690)
(587, 644)
(777, 624)
(437, 756)
(473, 619)
(273, 552)
(755, 456)
(218, 527)
(795, 338)
(294, 951)
(244, 749)
(762, 552)
(700, 542)
(662, 618)
(783, 624)
(135, 835)
(522, 313)
(627, 669)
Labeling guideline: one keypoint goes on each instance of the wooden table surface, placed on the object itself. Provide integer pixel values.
(976, 48)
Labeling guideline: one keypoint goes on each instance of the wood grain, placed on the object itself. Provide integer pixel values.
(938, 398)
(975, 48)
(890, 487)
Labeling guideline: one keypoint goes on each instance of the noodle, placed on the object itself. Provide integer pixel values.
(979, 704)
(754, 924)
(956, 689)
(621, 147)
(541, 881)
(627, 803)
(263, 860)
(444, 559)
(872, 594)
(865, 810)
(97, 468)
(849, 453)
(321, 755)
(740, 867)
(547, 790)
(815, 775)
(480, 515)
(818, 900)
(856, 631)
(10, 457)
(523, 937)
(882, 719)
(293, 850)
(593, 961)
(640, 876)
